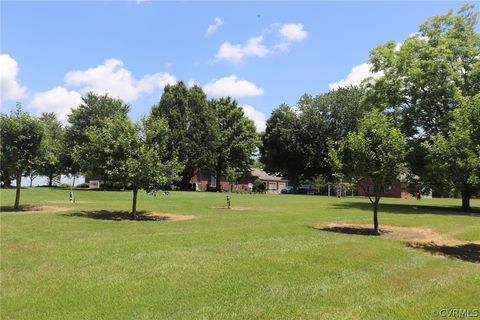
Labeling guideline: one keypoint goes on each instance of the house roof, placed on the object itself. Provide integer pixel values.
(262, 175)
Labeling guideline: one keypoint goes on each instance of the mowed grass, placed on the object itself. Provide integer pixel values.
(263, 262)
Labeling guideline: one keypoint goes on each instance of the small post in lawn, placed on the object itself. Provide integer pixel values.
(228, 201)
(72, 196)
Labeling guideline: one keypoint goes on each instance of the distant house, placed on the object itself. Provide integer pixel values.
(395, 189)
(203, 180)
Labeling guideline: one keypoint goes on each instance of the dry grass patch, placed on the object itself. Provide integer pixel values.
(33, 209)
(418, 238)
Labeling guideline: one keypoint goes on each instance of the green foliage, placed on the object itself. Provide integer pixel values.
(424, 77)
(295, 142)
(129, 154)
(333, 116)
(193, 132)
(259, 185)
(52, 146)
(454, 158)
(20, 149)
(237, 139)
(281, 149)
(90, 114)
(82, 185)
(376, 151)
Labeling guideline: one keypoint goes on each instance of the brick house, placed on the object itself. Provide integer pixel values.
(203, 180)
(395, 189)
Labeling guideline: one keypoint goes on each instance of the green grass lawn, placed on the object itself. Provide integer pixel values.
(264, 262)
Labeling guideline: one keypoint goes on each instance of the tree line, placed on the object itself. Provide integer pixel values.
(183, 132)
(420, 116)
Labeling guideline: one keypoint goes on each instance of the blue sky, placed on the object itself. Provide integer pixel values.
(263, 53)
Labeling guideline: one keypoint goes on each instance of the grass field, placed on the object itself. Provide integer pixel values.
(263, 262)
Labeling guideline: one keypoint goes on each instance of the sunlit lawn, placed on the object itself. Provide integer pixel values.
(262, 262)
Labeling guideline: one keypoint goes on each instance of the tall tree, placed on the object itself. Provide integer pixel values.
(193, 132)
(281, 149)
(425, 77)
(90, 114)
(22, 137)
(129, 154)
(237, 140)
(454, 158)
(329, 116)
(52, 146)
(376, 151)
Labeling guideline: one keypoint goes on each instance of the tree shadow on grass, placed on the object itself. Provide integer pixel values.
(353, 230)
(22, 208)
(118, 215)
(467, 252)
(409, 209)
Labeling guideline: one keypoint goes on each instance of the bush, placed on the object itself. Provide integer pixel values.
(259, 186)
(83, 185)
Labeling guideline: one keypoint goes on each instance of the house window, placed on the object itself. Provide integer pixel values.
(282, 185)
(387, 189)
(370, 189)
(272, 186)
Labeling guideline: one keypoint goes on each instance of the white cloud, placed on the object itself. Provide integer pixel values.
(256, 47)
(10, 88)
(112, 78)
(256, 116)
(356, 76)
(57, 100)
(253, 47)
(213, 27)
(232, 86)
(293, 32)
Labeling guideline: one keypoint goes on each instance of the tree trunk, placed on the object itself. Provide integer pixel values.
(17, 194)
(73, 183)
(50, 179)
(375, 215)
(184, 183)
(134, 203)
(31, 180)
(466, 200)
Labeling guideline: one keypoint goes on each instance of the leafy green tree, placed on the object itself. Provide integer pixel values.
(193, 131)
(295, 142)
(281, 149)
(454, 158)
(52, 146)
(90, 114)
(376, 151)
(237, 140)
(22, 137)
(6, 175)
(129, 154)
(425, 78)
(331, 116)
